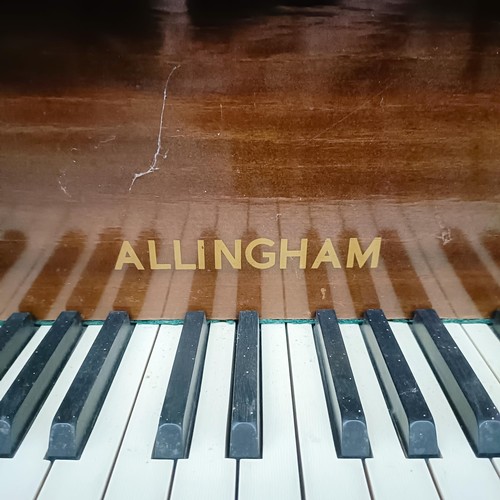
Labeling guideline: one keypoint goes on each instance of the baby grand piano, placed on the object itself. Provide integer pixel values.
(249, 251)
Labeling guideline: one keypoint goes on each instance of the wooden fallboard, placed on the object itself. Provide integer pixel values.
(282, 159)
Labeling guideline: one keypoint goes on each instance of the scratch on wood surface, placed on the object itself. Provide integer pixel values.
(348, 115)
(63, 188)
(153, 166)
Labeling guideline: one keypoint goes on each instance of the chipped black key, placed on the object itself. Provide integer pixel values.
(179, 407)
(245, 425)
(14, 335)
(346, 413)
(80, 407)
(406, 403)
(472, 404)
(27, 393)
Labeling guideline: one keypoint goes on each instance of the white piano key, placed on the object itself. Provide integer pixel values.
(458, 473)
(21, 476)
(276, 475)
(322, 470)
(487, 343)
(206, 473)
(15, 333)
(20, 361)
(390, 473)
(480, 367)
(153, 476)
(87, 478)
(486, 367)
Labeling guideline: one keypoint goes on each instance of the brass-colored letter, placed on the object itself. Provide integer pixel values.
(178, 258)
(127, 255)
(201, 254)
(355, 251)
(285, 253)
(327, 254)
(221, 248)
(153, 260)
(270, 256)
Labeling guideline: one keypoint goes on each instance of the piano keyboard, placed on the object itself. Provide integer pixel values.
(284, 410)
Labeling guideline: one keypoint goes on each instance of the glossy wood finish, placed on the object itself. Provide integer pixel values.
(332, 120)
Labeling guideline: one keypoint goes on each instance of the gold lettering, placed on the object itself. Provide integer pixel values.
(221, 248)
(127, 255)
(327, 254)
(153, 260)
(201, 254)
(270, 256)
(355, 251)
(178, 258)
(285, 253)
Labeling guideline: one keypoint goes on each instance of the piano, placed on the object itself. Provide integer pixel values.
(249, 250)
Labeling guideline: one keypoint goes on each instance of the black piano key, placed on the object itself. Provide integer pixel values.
(245, 424)
(406, 403)
(346, 412)
(14, 335)
(80, 407)
(27, 393)
(474, 408)
(496, 322)
(179, 407)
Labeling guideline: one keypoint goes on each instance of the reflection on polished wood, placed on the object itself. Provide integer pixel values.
(491, 240)
(135, 283)
(404, 278)
(202, 291)
(12, 244)
(277, 110)
(361, 286)
(249, 292)
(94, 278)
(475, 277)
(319, 294)
(48, 284)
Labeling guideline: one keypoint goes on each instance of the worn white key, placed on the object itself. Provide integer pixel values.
(153, 476)
(14, 370)
(487, 343)
(87, 478)
(477, 363)
(322, 470)
(458, 473)
(486, 366)
(276, 475)
(21, 476)
(207, 473)
(390, 473)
